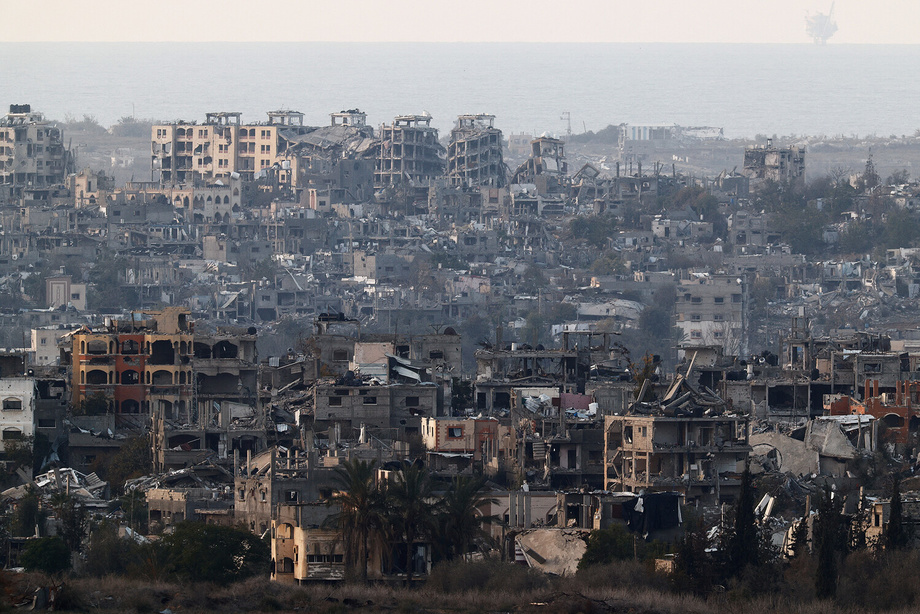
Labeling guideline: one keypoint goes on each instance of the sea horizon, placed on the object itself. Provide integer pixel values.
(745, 88)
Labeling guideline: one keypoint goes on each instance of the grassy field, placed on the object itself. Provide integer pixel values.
(466, 588)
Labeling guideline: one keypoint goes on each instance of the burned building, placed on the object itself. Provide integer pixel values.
(409, 152)
(474, 155)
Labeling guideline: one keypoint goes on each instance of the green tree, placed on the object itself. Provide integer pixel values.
(108, 285)
(28, 515)
(198, 552)
(49, 555)
(73, 518)
(363, 511)
(20, 452)
(594, 230)
(743, 534)
(461, 394)
(693, 565)
(799, 544)
(830, 540)
(413, 507)
(132, 460)
(532, 280)
(898, 177)
(461, 509)
(97, 404)
(608, 264)
(642, 371)
(260, 269)
(895, 533)
(901, 229)
(131, 127)
(109, 554)
(88, 124)
(859, 237)
(617, 543)
(870, 178)
(134, 506)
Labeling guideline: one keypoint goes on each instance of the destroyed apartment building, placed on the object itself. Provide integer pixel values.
(331, 164)
(501, 369)
(198, 392)
(186, 152)
(32, 152)
(474, 155)
(779, 164)
(409, 153)
(687, 442)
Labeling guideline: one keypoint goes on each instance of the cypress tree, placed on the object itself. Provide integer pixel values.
(895, 536)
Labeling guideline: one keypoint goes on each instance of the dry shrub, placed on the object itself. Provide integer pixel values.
(880, 582)
(488, 576)
(799, 579)
(621, 574)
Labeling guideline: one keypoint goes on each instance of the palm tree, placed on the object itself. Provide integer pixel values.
(362, 510)
(462, 514)
(410, 493)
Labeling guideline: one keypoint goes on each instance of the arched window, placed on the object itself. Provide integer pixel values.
(11, 434)
(97, 377)
(12, 404)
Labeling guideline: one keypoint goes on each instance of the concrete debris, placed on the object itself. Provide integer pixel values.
(553, 551)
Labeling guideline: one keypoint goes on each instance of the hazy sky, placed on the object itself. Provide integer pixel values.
(718, 21)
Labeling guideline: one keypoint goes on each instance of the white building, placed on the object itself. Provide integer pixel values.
(44, 349)
(17, 409)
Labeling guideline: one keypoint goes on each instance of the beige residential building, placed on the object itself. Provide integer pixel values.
(62, 292)
(701, 457)
(711, 310)
(222, 147)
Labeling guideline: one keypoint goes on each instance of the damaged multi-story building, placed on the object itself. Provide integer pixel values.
(409, 153)
(713, 310)
(334, 162)
(222, 146)
(701, 456)
(474, 155)
(546, 168)
(32, 152)
(779, 164)
(197, 392)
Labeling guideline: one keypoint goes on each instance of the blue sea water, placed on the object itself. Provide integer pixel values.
(745, 89)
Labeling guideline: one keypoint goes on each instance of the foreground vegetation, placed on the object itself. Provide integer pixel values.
(492, 586)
